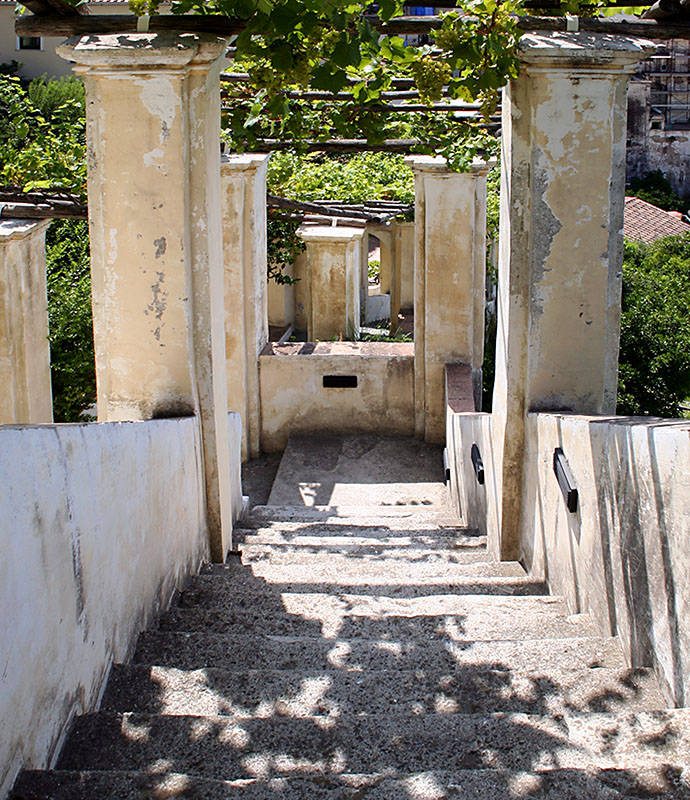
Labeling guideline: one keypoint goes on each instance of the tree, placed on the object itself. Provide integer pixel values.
(654, 361)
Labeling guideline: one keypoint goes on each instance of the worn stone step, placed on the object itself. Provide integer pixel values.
(217, 747)
(301, 693)
(360, 538)
(248, 592)
(398, 573)
(403, 517)
(372, 542)
(241, 652)
(453, 617)
(480, 784)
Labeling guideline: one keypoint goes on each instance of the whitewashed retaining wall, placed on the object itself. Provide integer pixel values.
(99, 524)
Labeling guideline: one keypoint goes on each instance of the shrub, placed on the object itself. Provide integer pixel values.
(654, 361)
(73, 371)
(47, 96)
(654, 188)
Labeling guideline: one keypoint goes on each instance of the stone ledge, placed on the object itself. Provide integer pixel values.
(381, 349)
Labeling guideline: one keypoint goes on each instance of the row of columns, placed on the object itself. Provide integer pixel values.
(179, 304)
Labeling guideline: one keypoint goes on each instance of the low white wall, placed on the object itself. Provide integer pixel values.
(98, 525)
(475, 503)
(623, 556)
(294, 400)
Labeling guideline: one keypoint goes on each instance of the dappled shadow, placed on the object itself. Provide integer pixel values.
(422, 687)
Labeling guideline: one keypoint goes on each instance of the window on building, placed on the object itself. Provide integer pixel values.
(29, 43)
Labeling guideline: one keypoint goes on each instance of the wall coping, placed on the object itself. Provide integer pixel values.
(348, 349)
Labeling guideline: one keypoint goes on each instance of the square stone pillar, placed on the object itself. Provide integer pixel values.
(153, 128)
(402, 272)
(404, 261)
(560, 247)
(333, 260)
(246, 291)
(25, 390)
(364, 272)
(450, 270)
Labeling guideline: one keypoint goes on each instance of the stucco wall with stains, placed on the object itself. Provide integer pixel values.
(294, 398)
(99, 524)
(622, 555)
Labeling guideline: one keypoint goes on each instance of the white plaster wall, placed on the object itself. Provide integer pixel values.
(98, 525)
(472, 501)
(623, 555)
(293, 399)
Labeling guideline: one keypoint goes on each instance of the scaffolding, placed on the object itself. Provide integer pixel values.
(669, 75)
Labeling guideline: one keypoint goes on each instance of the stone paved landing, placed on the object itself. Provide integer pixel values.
(368, 648)
(357, 471)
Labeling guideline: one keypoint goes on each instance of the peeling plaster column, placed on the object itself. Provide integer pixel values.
(560, 249)
(450, 269)
(25, 390)
(402, 273)
(246, 290)
(333, 260)
(153, 124)
(404, 259)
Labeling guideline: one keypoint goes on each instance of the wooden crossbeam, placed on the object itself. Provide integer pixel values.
(55, 25)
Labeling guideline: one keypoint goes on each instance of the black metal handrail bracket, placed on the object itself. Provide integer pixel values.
(565, 479)
(478, 464)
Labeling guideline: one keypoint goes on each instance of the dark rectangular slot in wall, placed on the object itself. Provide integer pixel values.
(339, 381)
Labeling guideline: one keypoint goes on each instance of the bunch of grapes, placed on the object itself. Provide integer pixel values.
(430, 76)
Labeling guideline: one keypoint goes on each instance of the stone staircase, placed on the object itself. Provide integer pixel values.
(371, 652)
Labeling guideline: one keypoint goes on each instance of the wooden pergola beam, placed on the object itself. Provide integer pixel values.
(75, 25)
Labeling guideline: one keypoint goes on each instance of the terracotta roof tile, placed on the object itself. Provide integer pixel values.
(645, 222)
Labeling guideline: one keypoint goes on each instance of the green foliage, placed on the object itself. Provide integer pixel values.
(355, 179)
(656, 189)
(654, 361)
(69, 314)
(36, 152)
(374, 269)
(282, 247)
(10, 67)
(47, 96)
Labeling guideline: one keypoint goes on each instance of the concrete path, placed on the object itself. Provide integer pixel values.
(367, 648)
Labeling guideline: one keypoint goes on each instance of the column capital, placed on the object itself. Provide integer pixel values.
(141, 51)
(14, 229)
(439, 165)
(590, 52)
(328, 233)
(240, 162)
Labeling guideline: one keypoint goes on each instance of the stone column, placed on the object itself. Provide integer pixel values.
(450, 255)
(333, 266)
(153, 125)
(560, 248)
(246, 303)
(25, 391)
(402, 272)
(364, 272)
(404, 259)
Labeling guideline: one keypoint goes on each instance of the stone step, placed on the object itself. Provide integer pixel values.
(395, 517)
(332, 540)
(347, 573)
(479, 784)
(241, 652)
(265, 693)
(223, 748)
(452, 617)
(247, 591)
